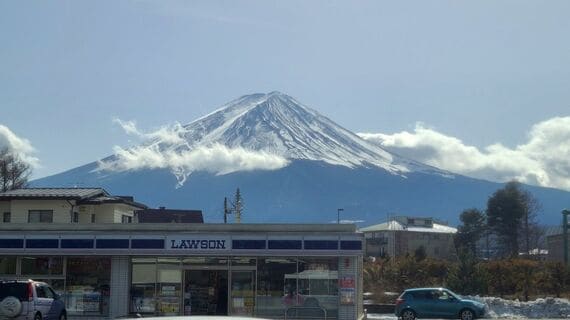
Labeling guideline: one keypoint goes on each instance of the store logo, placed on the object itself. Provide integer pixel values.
(198, 244)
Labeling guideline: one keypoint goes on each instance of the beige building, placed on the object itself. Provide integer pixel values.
(66, 205)
(403, 235)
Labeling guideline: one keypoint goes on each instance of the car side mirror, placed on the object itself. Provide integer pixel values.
(57, 297)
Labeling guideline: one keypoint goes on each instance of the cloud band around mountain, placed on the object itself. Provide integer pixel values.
(543, 160)
(18, 146)
(166, 148)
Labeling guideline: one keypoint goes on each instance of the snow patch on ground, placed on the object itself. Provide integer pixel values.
(539, 308)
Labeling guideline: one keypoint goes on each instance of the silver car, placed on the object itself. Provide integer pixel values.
(30, 300)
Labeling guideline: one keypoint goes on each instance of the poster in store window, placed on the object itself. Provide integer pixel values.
(347, 290)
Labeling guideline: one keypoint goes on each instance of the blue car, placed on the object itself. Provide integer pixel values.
(436, 303)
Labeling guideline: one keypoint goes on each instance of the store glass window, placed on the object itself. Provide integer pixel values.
(276, 286)
(87, 289)
(143, 285)
(205, 261)
(6, 217)
(318, 283)
(42, 265)
(7, 265)
(169, 282)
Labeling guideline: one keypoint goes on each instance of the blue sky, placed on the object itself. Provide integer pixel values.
(484, 72)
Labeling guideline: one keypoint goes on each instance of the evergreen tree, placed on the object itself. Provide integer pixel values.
(470, 231)
(507, 209)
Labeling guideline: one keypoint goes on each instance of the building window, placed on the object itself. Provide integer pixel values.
(276, 286)
(318, 283)
(88, 285)
(126, 219)
(143, 285)
(42, 266)
(8, 266)
(75, 217)
(92, 218)
(411, 221)
(6, 217)
(40, 216)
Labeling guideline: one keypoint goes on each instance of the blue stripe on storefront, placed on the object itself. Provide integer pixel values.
(77, 243)
(321, 245)
(112, 243)
(351, 245)
(12, 243)
(147, 244)
(248, 244)
(285, 244)
(42, 243)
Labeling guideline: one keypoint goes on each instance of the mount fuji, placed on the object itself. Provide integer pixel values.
(291, 164)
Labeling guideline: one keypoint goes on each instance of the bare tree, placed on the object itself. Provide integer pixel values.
(14, 172)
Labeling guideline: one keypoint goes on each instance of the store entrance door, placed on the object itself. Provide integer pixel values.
(206, 292)
(243, 292)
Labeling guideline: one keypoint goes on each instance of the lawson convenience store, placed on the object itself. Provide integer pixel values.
(261, 270)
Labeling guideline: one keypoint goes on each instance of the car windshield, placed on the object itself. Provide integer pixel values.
(453, 294)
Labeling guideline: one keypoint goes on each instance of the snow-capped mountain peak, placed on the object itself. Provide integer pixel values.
(256, 132)
(278, 124)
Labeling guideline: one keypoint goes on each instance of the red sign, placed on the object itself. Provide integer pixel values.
(346, 282)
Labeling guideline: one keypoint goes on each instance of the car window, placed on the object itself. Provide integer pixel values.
(48, 292)
(16, 289)
(51, 292)
(444, 295)
(41, 292)
(421, 295)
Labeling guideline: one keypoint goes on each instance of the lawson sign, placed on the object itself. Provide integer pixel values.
(198, 243)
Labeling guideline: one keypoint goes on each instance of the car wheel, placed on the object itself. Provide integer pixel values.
(466, 314)
(38, 316)
(10, 307)
(63, 316)
(408, 315)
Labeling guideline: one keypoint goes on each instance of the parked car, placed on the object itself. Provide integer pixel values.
(436, 303)
(30, 300)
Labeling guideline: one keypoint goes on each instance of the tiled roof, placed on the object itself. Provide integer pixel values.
(53, 193)
(113, 199)
(163, 215)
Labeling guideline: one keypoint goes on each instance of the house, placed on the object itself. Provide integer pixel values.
(66, 205)
(403, 235)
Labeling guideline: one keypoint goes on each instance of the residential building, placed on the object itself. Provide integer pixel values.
(402, 235)
(66, 205)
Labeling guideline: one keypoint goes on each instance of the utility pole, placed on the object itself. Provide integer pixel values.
(338, 215)
(226, 210)
(565, 214)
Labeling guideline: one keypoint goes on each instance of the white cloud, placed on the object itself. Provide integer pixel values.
(166, 148)
(19, 146)
(544, 159)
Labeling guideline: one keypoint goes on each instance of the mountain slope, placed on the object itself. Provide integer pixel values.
(325, 167)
